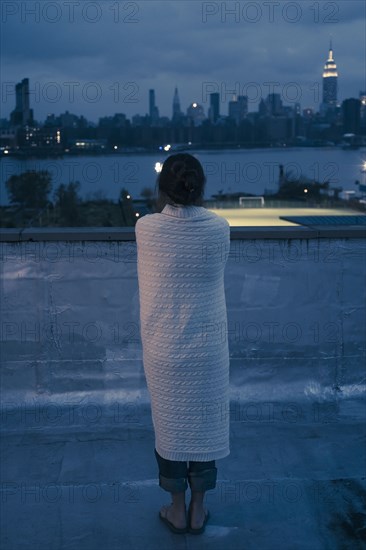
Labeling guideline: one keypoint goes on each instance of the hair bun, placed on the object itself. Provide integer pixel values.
(184, 175)
(178, 169)
(182, 179)
(190, 177)
(189, 187)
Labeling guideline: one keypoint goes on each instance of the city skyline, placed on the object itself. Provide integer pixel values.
(94, 78)
(237, 107)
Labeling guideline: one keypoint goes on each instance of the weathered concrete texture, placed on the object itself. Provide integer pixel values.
(77, 464)
(285, 485)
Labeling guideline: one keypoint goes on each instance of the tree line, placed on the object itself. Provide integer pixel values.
(31, 205)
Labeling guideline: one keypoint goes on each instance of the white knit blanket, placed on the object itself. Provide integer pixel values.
(181, 258)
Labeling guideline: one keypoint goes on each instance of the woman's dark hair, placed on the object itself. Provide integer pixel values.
(181, 181)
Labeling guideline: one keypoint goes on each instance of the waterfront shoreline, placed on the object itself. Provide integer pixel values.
(28, 155)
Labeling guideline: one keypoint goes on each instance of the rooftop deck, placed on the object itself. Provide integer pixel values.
(78, 470)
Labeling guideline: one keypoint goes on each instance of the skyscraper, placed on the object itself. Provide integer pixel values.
(330, 82)
(151, 102)
(274, 105)
(214, 111)
(196, 114)
(351, 111)
(177, 113)
(22, 114)
(238, 108)
(153, 110)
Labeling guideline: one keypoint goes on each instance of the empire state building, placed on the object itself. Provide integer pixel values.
(330, 82)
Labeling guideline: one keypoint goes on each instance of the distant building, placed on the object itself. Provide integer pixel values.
(351, 114)
(153, 110)
(234, 111)
(30, 137)
(262, 108)
(308, 113)
(118, 120)
(330, 83)
(138, 120)
(177, 113)
(151, 102)
(68, 120)
(196, 114)
(8, 136)
(83, 144)
(238, 108)
(22, 114)
(214, 110)
(297, 109)
(274, 105)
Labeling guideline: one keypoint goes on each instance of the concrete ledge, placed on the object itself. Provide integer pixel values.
(128, 233)
(67, 234)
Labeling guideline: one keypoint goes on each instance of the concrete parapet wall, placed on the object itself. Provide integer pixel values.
(70, 338)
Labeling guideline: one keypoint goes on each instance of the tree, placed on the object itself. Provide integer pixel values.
(67, 202)
(30, 189)
(127, 210)
(148, 194)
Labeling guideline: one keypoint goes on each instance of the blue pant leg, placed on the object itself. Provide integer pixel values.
(172, 474)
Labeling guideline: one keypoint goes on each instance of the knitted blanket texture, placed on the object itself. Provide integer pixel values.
(181, 258)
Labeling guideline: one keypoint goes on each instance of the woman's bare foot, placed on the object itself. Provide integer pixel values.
(197, 515)
(175, 516)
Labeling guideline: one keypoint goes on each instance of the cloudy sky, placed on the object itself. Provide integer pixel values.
(99, 58)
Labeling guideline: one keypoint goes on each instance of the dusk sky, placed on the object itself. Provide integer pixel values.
(101, 58)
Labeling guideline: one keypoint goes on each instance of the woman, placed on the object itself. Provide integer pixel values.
(181, 257)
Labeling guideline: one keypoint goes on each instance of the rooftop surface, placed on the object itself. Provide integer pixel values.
(294, 480)
(78, 470)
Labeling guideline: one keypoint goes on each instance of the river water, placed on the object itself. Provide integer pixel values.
(231, 171)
